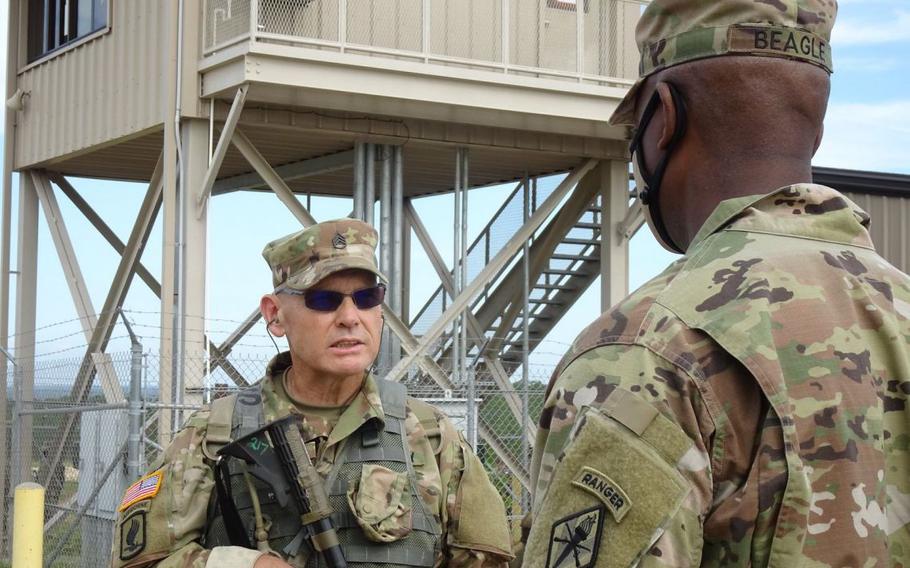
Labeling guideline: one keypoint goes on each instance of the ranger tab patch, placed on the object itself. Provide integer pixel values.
(604, 489)
(575, 540)
(146, 488)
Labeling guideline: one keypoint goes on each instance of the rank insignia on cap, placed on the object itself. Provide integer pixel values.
(339, 241)
(575, 540)
(145, 488)
(132, 536)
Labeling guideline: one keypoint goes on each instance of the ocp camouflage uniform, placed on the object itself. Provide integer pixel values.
(746, 407)
(465, 509)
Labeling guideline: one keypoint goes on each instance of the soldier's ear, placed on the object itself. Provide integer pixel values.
(270, 308)
(666, 115)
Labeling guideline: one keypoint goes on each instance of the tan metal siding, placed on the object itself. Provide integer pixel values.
(103, 90)
(890, 222)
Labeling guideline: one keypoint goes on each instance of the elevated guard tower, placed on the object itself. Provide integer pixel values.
(377, 100)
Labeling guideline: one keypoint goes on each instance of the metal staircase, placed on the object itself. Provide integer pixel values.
(564, 261)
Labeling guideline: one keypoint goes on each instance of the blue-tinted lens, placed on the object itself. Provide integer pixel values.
(369, 297)
(323, 300)
(329, 300)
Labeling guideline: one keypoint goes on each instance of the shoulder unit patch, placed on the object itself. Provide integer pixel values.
(132, 536)
(575, 540)
(145, 488)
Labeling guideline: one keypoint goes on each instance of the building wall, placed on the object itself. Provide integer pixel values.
(890, 226)
(108, 88)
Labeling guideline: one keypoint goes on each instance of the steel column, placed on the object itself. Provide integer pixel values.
(359, 179)
(494, 266)
(385, 246)
(398, 238)
(463, 255)
(191, 269)
(613, 177)
(9, 147)
(26, 309)
(525, 343)
(369, 199)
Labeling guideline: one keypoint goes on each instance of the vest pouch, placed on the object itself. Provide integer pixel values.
(381, 503)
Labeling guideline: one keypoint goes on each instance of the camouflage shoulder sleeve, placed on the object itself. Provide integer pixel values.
(162, 515)
(621, 464)
(476, 531)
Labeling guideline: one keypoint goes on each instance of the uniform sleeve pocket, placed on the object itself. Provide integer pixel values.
(381, 503)
(612, 493)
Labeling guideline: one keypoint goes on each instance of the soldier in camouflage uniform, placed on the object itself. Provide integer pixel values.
(747, 407)
(405, 487)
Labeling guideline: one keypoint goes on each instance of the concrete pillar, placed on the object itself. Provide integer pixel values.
(613, 177)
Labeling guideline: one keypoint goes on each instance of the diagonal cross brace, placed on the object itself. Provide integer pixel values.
(110, 383)
(477, 335)
(112, 304)
(218, 353)
(493, 267)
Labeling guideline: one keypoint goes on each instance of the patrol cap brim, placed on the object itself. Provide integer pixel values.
(306, 279)
(624, 115)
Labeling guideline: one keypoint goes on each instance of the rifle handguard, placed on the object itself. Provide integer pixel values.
(276, 455)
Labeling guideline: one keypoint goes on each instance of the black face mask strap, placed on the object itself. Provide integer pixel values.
(650, 195)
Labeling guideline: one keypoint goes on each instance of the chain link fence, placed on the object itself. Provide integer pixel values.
(85, 450)
(575, 39)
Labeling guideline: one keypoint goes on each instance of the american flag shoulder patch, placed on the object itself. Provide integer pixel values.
(145, 488)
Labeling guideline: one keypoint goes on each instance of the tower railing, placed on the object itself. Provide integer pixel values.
(573, 40)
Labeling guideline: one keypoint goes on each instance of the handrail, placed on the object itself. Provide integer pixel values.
(477, 241)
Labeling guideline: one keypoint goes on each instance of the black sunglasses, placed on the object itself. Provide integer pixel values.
(329, 300)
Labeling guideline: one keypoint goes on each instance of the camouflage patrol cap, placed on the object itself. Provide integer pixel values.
(302, 259)
(672, 32)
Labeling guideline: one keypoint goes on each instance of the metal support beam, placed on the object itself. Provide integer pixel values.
(96, 221)
(359, 179)
(494, 266)
(633, 221)
(26, 309)
(272, 178)
(123, 277)
(474, 328)
(217, 353)
(6, 218)
(221, 149)
(613, 177)
(410, 345)
(110, 383)
(191, 269)
(288, 172)
(369, 195)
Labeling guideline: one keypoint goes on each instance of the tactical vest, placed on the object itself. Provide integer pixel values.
(387, 447)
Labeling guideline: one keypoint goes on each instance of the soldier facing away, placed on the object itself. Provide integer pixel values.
(748, 406)
(404, 486)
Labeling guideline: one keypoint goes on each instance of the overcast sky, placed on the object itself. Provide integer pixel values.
(868, 128)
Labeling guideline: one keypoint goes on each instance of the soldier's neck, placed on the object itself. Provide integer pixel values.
(706, 185)
(322, 390)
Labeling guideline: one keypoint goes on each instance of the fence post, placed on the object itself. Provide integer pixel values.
(134, 439)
